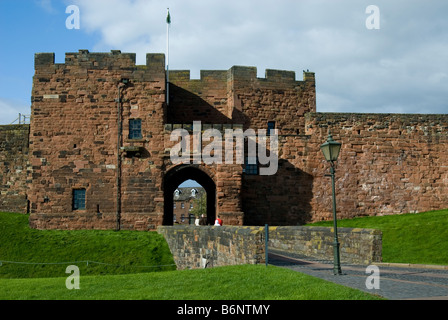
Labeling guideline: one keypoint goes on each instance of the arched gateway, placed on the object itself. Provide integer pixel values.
(179, 174)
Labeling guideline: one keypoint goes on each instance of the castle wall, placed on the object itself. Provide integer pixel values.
(203, 99)
(13, 167)
(389, 163)
(278, 97)
(286, 197)
(238, 96)
(79, 139)
(74, 138)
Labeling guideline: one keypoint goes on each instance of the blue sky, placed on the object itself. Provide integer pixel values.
(402, 67)
(27, 27)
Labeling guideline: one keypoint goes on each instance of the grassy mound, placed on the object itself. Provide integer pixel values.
(47, 253)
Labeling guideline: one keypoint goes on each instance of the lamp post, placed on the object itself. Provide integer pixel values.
(331, 149)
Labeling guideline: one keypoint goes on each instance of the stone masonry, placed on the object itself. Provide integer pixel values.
(389, 163)
(210, 246)
(14, 166)
(357, 246)
(100, 135)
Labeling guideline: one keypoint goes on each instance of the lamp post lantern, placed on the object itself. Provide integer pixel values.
(331, 149)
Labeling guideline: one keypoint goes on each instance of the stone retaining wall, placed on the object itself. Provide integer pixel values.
(357, 246)
(210, 246)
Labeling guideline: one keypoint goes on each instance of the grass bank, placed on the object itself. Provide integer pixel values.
(130, 281)
(96, 251)
(246, 282)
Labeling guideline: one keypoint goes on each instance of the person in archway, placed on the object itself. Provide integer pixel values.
(203, 220)
(218, 221)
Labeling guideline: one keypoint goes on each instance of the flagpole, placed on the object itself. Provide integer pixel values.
(168, 22)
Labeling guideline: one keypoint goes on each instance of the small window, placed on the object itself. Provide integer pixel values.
(182, 205)
(174, 218)
(191, 205)
(271, 126)
(174, 206)
(79, 199)
(135, 129)
(182, 218)
(251, 166)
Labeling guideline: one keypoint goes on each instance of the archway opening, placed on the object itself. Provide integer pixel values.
(190, 203)
(174, 179)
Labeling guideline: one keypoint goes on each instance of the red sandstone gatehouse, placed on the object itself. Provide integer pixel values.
(99, 147)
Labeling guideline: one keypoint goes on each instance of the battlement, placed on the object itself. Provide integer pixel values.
(240, 73)
(155, 63)
(205, 75)
(114, 60)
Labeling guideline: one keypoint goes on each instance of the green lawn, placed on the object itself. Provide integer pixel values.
(119, 252)
(420, 238)
(246, 282)
(131, 250)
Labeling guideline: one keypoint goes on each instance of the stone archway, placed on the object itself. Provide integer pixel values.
(179, 174)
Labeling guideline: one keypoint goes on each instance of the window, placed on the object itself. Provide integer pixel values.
(174, 206)
(182, 205)
(271, 126)
(191, 205)
(182, 218)
(135, 129)
(251, 166)
(79, 199)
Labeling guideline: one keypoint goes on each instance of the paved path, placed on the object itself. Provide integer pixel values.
(396, 282)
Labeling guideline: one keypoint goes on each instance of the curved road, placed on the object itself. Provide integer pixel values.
(396, 281)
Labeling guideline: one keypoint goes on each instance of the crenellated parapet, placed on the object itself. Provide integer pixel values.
(155, 63)
(113, 61)
(241, 74)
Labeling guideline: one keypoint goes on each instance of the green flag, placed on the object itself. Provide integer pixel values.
(168, 18)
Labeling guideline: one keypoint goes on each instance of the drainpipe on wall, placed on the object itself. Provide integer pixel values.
(121, 85)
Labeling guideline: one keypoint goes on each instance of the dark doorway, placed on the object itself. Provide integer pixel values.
(179, 174)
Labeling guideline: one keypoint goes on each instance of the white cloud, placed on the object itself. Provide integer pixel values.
(399, 68)
(46, 5)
